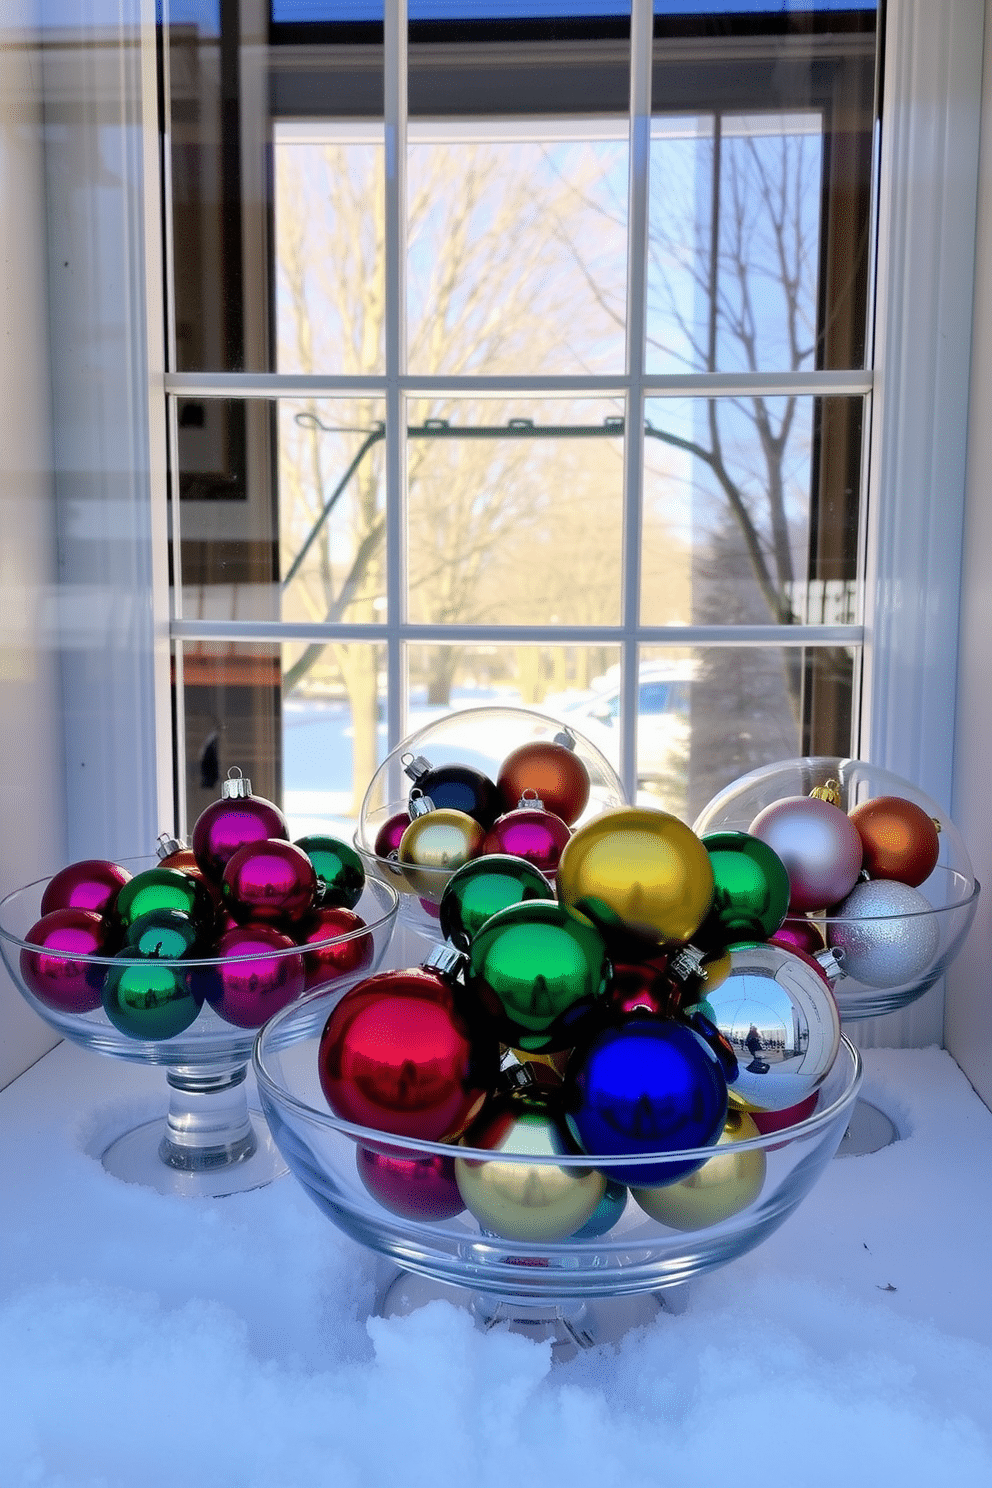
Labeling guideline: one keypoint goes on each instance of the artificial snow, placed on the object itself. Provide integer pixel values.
(153, 1342)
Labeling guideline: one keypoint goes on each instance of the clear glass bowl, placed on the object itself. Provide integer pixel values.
(481, 738)
(568, 1290)
(951, 891)
(207, 1143)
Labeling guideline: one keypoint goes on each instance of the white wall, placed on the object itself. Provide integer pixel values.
(32, 796)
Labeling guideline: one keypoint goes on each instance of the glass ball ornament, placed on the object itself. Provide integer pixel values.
(271, 882)
(483, 739)
(237, 818)
(93, 883)
(529, 832)
(336, 944)
(584, 1288)
(340, 871)
(206, 1141)
(249, 983)
(162, 888)
(410, 1185)
(818, 844)
(438, 841)
(750, 892)
(481, 888)
(778, 1013)
(885, 932)
(726, 1183)
(950, 889)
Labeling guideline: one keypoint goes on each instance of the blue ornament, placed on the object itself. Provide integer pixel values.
(606, 1214)
(646, 1085)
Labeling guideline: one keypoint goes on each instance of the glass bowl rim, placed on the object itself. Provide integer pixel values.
(377, 886)
(404, 1146)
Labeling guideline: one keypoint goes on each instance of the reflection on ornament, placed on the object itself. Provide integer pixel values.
(639, 871)
(254, 979)
(91, 884)
(819, 845)
(410, 1184)
(163, 888)
(898, 838)
(52, 973)
(646, 1085)
(434, 845)
(887, 932)
(779, 1015)
(149, 998)
(398, 1054)
(482, 887)
(533, 963)
(165, 934)
(750, 891)
(326, 957)
(520, 1200)
(339, 870)
(269, 882)
(641, 987)
(725, 1184)
(553, 771)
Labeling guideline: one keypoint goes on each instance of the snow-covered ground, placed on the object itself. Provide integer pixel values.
(153, 1342)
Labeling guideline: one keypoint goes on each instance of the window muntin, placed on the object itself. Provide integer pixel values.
(462, 85)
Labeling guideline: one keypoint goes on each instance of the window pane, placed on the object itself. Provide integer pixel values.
(515, 512)
(751, 511)
(548, 678)
(281, 509)
(303, 722)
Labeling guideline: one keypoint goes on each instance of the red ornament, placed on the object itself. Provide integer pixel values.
(773, 1121)
(253, 982)
(409, 1184)
(270, 882)
(899, 840)
(236, 819)
(641, 987)
(398, 1054)
(553, 771)
(530, 832)
(53, 973)
(90, 884)
(340, 958)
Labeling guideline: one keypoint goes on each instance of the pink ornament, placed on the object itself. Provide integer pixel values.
(90, 884)
(390, 834)
(236, 819)
(272, 882)
(819, 845)
(53, 973)
(531, 833)
(346, 952)
(254, 980)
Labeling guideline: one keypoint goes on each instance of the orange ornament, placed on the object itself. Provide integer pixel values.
(900, 840)
(553, 771)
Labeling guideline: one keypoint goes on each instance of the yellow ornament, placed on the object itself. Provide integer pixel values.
(638, 870)
(724, 1185)
(519, 1200)
(437, 843)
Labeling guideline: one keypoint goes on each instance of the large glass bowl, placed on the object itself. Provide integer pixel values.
(579, 1291)
(207, 1144)
(481, 738)
(950, 894)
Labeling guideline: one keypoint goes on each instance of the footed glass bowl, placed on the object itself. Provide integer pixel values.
(399, 1197)
(207, 1144)
(891, 955)
(482, 739)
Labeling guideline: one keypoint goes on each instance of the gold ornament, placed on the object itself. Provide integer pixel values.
(723, 1186)
(638, 870)
(527, 1201)
(829, 792)
(438, 842)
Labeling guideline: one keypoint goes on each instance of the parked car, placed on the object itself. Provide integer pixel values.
(663, 726)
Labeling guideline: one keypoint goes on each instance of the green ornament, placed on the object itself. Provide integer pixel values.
(481, 888)
(340, 871)
(544, 964)
(750, 894)
(149, 998)
(167, 934)
(163, 888)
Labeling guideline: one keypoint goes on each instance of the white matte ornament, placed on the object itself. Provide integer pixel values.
(887, 932)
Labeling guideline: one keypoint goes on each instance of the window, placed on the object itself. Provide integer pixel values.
(518, 352)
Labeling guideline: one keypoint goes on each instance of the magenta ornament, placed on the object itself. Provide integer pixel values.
(53, 972)
(333, 946)
(531, 833)
(797, 933)
(390, 834)
(91, 884)
(274, 882)
(253, 981)
(235, 820)
(819, 845)
(411, 1184)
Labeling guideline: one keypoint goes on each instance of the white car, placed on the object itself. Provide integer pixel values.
(663, 727)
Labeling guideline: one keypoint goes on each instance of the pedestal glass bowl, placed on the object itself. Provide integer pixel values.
(481, 738)
(207, 1144)
(581, 1290)
(938, 924)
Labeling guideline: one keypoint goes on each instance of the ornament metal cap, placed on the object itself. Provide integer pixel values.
(236, 787)
(829, 792)
(415, 765)
(565, 739)
(445, 960)
(167, 845)
(419, 804)
(831, 959)
(530, 799)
